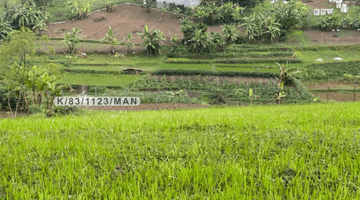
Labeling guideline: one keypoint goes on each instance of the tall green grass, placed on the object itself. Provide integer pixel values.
(265, 152)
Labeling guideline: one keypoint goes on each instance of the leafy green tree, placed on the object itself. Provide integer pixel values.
(72, 39)
(14, 82)
(152, 40)
(27, 15)
(287, 15)
(110, 37)
(20, 47)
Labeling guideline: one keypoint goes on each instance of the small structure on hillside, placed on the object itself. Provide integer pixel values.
(344, 9)
(323, 11)
(316, 12)
(186, 3)
(330, 11)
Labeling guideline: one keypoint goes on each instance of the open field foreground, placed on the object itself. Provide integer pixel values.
(262, 152)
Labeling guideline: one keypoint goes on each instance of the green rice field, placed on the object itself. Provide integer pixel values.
(261, 152)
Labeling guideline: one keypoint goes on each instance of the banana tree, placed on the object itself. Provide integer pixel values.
(72, 39)
(85, 10)
(236, 14)
(152, 40)
(218, 39)
(199, 42)
(5, 29)
(273, 28)
(173, 40)
(250, 27)
(14, 81)
(129, 44)
(286, 78)
(229, 32)
(74, 7)
(200, 14)
(109, 5)
(110, 37)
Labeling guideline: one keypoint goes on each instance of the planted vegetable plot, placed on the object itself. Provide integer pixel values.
(198, 90)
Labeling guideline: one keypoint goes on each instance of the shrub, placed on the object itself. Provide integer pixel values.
(240, 40)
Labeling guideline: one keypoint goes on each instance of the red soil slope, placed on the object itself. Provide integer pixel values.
(129, 19)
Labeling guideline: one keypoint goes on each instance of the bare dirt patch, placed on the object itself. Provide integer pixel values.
(333, 85)
(147, 106)
(129, 19)
(335, 38)
(338, 96)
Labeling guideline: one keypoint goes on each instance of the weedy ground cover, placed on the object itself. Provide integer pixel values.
(262, 152)
(97, 79)
(332, 71)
